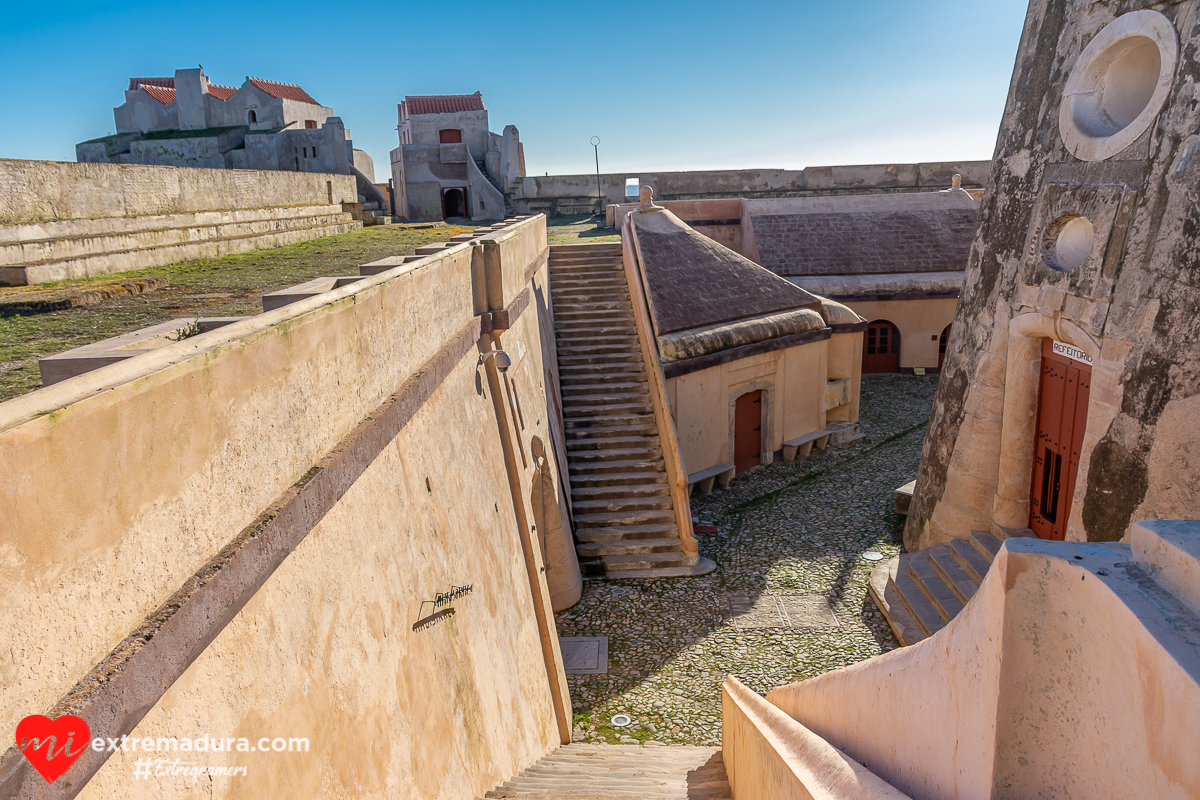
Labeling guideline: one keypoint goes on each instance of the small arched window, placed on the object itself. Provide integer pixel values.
(251, 116)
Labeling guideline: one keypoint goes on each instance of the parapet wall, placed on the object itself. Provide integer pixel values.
(236, 535)
(61, 221)
(53, 191)
(576, 194)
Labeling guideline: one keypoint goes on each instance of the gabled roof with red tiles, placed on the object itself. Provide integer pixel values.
(443, 103)
(222, 92)
(284, 91)
(162, 94)
(166, 83)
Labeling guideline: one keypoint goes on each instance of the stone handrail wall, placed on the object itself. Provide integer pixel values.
(768, 754)
(51, 191)
(677, 479)
(994, 703)
(236, 535)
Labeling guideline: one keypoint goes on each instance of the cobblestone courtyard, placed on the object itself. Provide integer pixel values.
(789, 538)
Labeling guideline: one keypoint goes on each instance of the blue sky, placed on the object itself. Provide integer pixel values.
(665, 85)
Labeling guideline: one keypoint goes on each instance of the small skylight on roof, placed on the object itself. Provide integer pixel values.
(632, 185)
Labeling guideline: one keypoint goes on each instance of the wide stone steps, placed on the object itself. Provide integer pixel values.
(580, 480)
(581, 380)
(625, 547)
(623, 511)
(601, 359)
(635, 516)
(590, 422)
(622, 504)
(588, 369)
(583, 399)
(919, 593)
(585, 267)
(580, 458)
(627, 533)
(606, 442)
(605, 431)
(629, 490)
(606, 412)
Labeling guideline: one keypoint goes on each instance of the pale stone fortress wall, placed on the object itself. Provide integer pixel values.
(62, 220)
(279, 497)
(577, 194)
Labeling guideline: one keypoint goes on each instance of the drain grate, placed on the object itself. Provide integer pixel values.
(760, 611)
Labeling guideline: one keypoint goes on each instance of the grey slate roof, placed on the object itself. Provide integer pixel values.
(865, 242)
(695, 282)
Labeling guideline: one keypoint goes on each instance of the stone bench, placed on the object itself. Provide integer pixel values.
(79, 360)
(703, 480)
(904, 497)
(305, 290)
(803, 445)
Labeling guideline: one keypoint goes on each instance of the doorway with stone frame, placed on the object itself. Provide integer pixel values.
(1061, 421)
(751, 415)
(1012, 508)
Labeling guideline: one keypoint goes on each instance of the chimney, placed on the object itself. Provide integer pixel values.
(191, 86)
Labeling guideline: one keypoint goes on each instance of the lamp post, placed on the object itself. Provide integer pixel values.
(599, 194)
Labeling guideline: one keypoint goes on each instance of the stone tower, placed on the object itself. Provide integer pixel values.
(1069, 404)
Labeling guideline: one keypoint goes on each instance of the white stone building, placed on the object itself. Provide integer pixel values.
(187, 121)
(449, 164)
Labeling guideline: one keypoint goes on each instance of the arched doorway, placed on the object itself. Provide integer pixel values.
(881, 347)
(942, 342)
(454, 203)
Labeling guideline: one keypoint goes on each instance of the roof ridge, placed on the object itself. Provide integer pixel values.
(268, 80)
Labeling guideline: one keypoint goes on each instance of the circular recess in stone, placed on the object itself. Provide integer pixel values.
(872, 555)
(1068, 242)
(1118, 85)
(621, 721)
(618, 591)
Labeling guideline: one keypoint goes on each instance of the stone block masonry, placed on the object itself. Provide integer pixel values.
(61, 220)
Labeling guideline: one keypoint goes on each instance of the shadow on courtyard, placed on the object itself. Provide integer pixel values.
(783, 529)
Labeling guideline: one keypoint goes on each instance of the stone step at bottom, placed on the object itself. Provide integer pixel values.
(702, 567)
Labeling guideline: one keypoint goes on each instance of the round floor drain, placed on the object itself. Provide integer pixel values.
(619, 591)
(621, 721)
(871, 555)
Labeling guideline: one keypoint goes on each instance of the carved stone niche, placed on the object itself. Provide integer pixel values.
(1076, 238)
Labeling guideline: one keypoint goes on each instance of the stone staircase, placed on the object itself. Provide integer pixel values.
(919, 593)
(624, 519)
(621, 772)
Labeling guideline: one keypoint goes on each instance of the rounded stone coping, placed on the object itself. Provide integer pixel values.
(1107, 101)
(724, 336)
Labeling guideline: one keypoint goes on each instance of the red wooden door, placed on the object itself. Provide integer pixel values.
(450, 136)
(881, 347)
(747, 431)
(1062, 418)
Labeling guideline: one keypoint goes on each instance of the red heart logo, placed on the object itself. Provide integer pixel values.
(38, 740)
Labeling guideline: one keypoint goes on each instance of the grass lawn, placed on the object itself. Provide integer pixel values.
(213, 287)
(579, 229)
